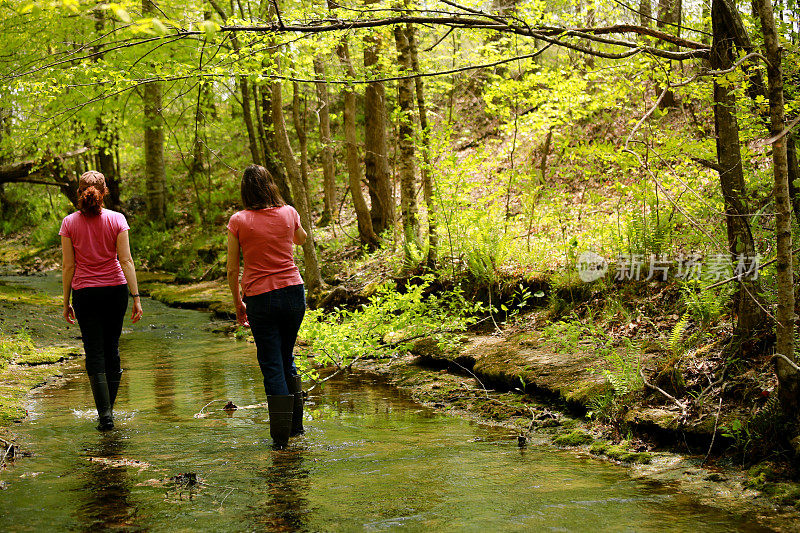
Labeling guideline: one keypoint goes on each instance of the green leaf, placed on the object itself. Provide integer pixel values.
(210, 27)
(539, 294)
(159, 27)
(121, 14)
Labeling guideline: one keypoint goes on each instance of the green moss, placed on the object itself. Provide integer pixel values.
(11, 294)
(758, 476)
(621, 453)
(206, 295)
(15, 345)
(785, 493)
(574, 438)
(48, 355)
(598, 447)
(11, 410)
(145, 278)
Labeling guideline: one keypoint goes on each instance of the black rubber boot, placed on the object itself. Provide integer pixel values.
(102, 400)
(280, 419)
(295, 384)
(113, 386)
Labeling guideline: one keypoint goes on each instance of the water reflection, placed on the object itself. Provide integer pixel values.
(105, 496)
(286, 481)
(164, 377)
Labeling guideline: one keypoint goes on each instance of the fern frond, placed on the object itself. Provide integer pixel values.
(677, 332)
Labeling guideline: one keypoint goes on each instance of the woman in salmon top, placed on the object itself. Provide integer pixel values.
(98, 271)
(273, 301)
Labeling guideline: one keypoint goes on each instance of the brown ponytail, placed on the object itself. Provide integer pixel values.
(91, 190)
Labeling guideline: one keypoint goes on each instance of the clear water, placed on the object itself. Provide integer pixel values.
(371, 459)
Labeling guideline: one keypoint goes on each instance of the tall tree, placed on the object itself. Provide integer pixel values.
(299, 119)
(245, 93)
(740, 237)
(376, 160)
(155, 171)
(313, 279)
(365, 231)
(272, 160)
(425, 171)
(405, 142)
(328, 166)
(645, 13)
(106, 136)
(669, 20)
(788, 377)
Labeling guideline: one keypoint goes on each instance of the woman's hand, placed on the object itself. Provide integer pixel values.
(241, 314)
(69, 313)
(136, 312)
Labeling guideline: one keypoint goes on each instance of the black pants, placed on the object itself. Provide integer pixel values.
(275, 319)
(100, 311)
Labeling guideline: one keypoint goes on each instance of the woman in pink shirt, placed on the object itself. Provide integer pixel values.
(273, 302)
(98, 271)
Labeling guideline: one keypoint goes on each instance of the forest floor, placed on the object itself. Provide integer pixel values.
(546, 377)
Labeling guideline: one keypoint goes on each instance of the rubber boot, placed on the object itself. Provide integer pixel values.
(295, 384)
(113, 386)
(102, 400)
(280, 419)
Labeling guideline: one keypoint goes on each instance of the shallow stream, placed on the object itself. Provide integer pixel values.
(371, 459)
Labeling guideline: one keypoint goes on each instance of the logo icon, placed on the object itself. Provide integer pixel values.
(591, 266)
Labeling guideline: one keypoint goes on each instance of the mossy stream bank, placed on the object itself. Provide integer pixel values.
(34, 351)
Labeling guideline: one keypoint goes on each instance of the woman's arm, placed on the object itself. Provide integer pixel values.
(128, 268)
(67, 273)
(233, 279)
(299, 236)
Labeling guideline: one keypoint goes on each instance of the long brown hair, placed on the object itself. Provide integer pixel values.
(259, 190)
(91, 190)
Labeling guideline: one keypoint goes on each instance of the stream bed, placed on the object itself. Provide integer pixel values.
(371, 459)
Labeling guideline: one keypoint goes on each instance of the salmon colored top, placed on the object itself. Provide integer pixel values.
(265, 236)
(94, 241)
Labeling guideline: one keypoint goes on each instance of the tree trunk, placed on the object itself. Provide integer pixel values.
(788, 377)
(365, 232)
(328, 166)
(740, 238)
(37, 172)
(313, 279)
(155, 172)
(405, 142)
(198, 164)
(376, 160)
(244, 90)
(247, 115)
(645, 13)
(791, 159)
(5, 130)
(268, 141)
(106, 138)
(299, 119)
(425, 171)
(669, 18)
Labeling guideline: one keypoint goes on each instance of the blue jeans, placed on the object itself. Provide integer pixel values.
(275, 319)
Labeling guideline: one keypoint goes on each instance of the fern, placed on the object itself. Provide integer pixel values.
(675, 337)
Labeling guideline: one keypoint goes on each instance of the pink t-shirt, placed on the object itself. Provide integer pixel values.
(265, 236)
(94, 240)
